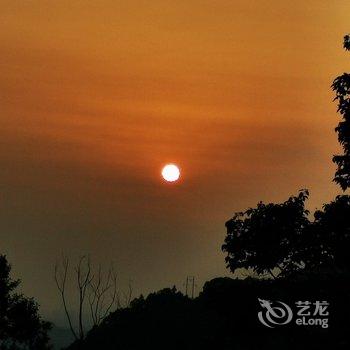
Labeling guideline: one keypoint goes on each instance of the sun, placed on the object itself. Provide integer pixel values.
(171, 173)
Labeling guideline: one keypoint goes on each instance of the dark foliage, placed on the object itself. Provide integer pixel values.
(332, 227)
(341, 87)
(280, 239)
(268, 237)
(21, 327)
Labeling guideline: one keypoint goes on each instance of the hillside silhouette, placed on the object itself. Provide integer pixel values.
(224, 316)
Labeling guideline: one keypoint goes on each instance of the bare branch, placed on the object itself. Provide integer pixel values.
(99, 291)
(61, 279)
(128, 295)
(103, 295)
(84, 279)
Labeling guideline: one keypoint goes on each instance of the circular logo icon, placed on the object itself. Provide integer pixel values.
(274, 313)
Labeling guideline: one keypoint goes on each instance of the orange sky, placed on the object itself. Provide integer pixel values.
(95, 96)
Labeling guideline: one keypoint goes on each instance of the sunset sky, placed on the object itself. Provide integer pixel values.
(96, 96)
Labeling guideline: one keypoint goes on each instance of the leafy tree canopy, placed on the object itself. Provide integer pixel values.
(21, 327)
(332, 228)
(280, 239)
(267, 237)
(341, 87)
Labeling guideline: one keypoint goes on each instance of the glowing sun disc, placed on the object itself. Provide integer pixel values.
(171, 173)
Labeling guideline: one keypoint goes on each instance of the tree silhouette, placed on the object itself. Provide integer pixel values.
(99, 290)
(268, 238)
(21, 327)
(341, 86)
(332, 232)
